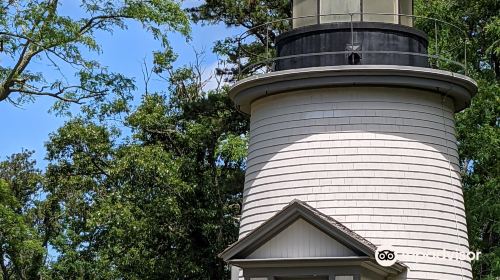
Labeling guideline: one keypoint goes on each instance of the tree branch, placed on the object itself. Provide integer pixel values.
(19, 36)
(62, 90)
(94, 21)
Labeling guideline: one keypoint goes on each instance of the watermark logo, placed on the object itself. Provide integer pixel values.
(386, 255)
(433, 255)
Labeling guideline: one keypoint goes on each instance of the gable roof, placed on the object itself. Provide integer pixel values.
(293, 211)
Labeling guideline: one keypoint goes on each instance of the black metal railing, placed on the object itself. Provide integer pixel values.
(444, 37)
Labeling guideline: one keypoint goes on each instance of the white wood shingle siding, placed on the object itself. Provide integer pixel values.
(383, 161)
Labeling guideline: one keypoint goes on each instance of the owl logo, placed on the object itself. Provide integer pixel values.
(385, 256)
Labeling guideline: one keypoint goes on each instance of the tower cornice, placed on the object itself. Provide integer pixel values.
(459, 87)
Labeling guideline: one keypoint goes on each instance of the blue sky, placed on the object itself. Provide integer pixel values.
(123, 51)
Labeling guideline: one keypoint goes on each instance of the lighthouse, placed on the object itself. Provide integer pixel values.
(352, 150)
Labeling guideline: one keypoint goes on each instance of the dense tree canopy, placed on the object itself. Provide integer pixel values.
(158, 206)
(158, 202)
(23, 235)
(478, 127)
(157, 196)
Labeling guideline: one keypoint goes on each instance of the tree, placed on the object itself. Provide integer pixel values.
(23, 238)
(479, 136)
(35, 30)
(478, 130)
(245, 53)
(161, 206)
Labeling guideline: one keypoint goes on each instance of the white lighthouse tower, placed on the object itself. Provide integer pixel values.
(352, 147)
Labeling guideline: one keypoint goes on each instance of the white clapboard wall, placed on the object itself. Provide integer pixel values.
(382, 161)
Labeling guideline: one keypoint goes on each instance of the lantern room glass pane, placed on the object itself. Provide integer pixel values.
(380, 11)
(344, 277)
(305, 12)
(406, 10)
(341, 9)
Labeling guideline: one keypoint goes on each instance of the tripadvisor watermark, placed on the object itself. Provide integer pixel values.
(388, 255)
(443, 254)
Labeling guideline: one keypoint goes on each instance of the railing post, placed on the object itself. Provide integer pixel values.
(465, 54)
(267, 45)
(238, 53)
(436, 42)
(267, 41)
(352, 39)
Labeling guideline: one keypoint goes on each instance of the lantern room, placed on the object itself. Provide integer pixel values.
(351, 32)
(309, 12)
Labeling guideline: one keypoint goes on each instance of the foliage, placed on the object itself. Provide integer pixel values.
(157, 204)
(252, 16)
(478, 127)
(160, 205)
(479, 21)
(22, 235)
(479, 136)
(36, 31)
